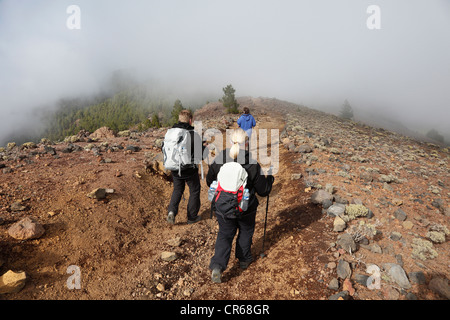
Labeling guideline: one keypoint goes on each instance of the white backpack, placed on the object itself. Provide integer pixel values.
(175, 150)
(232, 176)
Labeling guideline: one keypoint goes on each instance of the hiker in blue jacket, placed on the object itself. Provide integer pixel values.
(247, 122)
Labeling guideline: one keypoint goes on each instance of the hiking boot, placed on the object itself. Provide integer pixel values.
(171, 218)
(197, 219)
(216, 276)
(244, 264)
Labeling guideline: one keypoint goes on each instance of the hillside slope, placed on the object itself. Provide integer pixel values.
(117, 241)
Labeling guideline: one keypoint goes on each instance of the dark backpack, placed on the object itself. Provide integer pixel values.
(232, 179)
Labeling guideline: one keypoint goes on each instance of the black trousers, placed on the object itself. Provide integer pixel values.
(179, 185)
(225, 236)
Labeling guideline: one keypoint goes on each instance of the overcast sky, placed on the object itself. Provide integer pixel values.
(316, 52)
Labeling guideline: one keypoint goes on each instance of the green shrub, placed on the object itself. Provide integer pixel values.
(356, 210)
(423, 249)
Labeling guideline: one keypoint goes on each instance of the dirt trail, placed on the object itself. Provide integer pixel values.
(117, 242)
(294, 239)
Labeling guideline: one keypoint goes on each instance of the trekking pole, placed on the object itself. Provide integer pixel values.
(265, 220)
(207, 161)
(265, 226)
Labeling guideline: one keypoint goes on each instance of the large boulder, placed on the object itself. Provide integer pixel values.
(397, 274)
(99, 193)
(336, 210)
(155, 164)
(344, 270)
(339, 224)
(320, 196)
(12, 282)
(27, 228)
(102, 133)
(440, 286)
(168, 256)
(346, 242)
(304, 148)
(17, 206)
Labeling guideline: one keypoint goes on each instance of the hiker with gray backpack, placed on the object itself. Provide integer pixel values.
(180, 148)
(237, 179)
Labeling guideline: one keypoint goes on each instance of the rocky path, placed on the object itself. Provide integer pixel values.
(294, 240)
(346, 197)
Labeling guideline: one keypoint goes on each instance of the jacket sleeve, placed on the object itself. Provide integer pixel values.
(253, 122)
(239, 121)
(261, 183)
(211, 175)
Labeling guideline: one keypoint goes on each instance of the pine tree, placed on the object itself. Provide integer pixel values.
(177, 107)
(229, 100)
(155, 121)
(346, 111)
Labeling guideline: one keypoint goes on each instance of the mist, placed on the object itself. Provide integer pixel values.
(314, 52)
